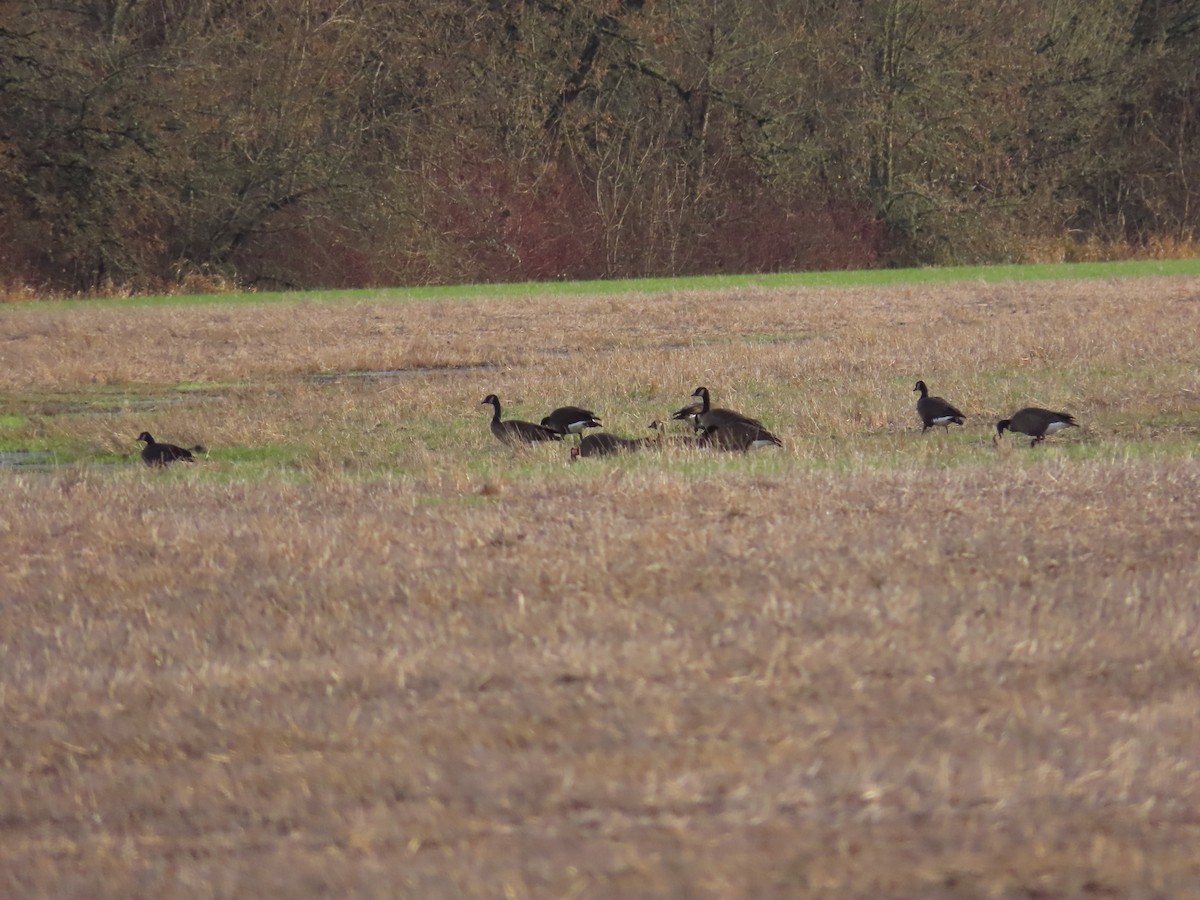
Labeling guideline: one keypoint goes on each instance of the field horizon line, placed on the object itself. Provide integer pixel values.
(848, 278)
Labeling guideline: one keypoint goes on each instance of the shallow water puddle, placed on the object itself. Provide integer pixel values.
(30, 459)
(399, 374)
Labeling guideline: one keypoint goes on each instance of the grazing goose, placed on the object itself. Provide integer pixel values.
(156, 454)
(935, 410)
(570, 420)
(1036, 422)
(690, 413)
(743, 436)
(662, 439)
(515, 432)
(712, 415)
(604, 444)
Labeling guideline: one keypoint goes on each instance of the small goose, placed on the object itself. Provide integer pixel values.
(1036, 422)
(156, 454)
(743, 436)
(604, 444)
(690, 413)
(515, 432)
(662, 439)
(935, 410)
(570, 420)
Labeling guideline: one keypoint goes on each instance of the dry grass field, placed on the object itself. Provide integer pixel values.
(360, 649)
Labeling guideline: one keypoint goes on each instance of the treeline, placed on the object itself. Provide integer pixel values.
(326, 143)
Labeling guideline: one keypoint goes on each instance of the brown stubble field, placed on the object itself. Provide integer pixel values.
(361, 649)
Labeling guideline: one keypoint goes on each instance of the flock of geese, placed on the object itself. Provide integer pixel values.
(1032, 421)
(726, 429)
(713, 426)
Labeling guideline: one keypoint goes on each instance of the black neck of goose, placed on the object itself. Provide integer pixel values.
(496, 408)
(704, 401)
(921, 387)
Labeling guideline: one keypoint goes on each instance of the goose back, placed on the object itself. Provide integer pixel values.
(570, 420)
(605, 444)
(719, 416)
(738, 436)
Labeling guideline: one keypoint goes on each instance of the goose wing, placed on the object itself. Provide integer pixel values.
(570, 419)
(931, 409)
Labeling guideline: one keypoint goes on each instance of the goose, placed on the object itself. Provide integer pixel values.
(1036, 422)
(515, 432)
(570, 420)
(662, 439)
(156, 454)
(689, 413)
(604, 444)
(743, 436)
(935, 410)
(712, 415)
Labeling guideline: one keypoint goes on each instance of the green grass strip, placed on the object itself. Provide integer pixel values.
(836, 279)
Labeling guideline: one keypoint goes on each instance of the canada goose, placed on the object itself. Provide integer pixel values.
(662, 439)
(156, 454)
(1036, 422)
(604, 444)
(935, 410)
(712, 415)
(743, 436)
(690, 413)
(570, 420)
(515, 432)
